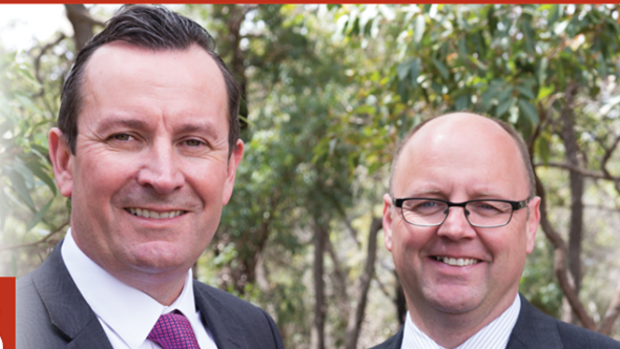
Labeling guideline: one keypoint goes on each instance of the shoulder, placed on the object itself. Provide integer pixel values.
(29, 306)
(28, 303)
(228, 315)
(34, 328)
(536, 329)
(393, 342)
(579, 337)
(222, 300)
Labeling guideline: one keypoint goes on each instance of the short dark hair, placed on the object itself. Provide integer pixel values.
(525, 154)
(151, 27)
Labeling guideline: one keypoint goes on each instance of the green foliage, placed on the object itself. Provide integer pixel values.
(27, 187)
(24, 147)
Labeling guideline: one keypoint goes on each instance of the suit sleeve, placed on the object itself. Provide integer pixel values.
(274, 331)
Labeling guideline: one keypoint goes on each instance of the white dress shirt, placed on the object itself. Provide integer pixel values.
(495, 335)
(126, 314)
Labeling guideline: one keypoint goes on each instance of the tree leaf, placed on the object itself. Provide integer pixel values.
(503, 107)
(37, 170)
(543, 149)
(506, 92)
(463, 102)
(542, 70)
(402, 70)
(488, 96)
(415, 71)
(442, 69)
(38, 216)
(19, 186)
(526, 91)
(544, 91)
(462, 48)
(25, 173)
(528, 110)
(420, 25)
(554, 14)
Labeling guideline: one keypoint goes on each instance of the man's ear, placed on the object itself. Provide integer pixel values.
(62, 161)
(387, 221)
(532, 223)
(233, 163)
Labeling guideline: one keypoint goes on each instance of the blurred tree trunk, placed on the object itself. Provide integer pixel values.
(318, 328)
(576, 180)
(400, 302)
(83, 24)
(237, 66)
(355, 318)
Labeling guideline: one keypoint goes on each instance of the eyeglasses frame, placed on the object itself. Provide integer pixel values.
(516, 205)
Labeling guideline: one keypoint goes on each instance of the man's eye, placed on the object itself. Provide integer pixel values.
(122, 137)
(193, 143)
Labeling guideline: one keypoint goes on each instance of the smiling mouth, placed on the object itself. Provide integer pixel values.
(457, 262)
(141, 212)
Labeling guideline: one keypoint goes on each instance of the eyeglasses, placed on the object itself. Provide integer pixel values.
(425, 212)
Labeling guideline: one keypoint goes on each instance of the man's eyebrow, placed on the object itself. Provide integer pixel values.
(202, 128)
(427, 191)
(114, 122)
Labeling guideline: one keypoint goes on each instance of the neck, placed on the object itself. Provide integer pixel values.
(452, 329)
(165, 289)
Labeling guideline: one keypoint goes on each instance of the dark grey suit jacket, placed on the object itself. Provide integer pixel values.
(51, 313)
(536, 330)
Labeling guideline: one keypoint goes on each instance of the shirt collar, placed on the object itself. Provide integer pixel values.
(129, 312)
(493, 335)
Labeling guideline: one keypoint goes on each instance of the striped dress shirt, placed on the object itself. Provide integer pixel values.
(495, 335)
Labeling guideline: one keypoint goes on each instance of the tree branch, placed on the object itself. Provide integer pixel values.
(82, 23)
(382, 287)
(578, 169)
(356, 317)
(608, 152)
(347, 222)
(613, 311)
(341, 279)
(560, 268)
(37, 59)
(31, 244)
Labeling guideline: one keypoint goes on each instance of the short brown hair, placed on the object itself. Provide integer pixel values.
(154, 28)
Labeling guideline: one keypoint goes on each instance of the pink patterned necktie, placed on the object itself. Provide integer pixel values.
(173, 331)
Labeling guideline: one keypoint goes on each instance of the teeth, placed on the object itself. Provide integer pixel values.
(457, 262)
(152, 214)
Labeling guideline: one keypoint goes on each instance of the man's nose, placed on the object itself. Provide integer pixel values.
(456, 226)
(161, 168)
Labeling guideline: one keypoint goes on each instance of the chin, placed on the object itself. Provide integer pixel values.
(157, 260)
(454, 302)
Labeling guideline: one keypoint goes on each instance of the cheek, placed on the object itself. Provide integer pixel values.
(508, 251)
(407, 242)
(102, 177)
(206, 179)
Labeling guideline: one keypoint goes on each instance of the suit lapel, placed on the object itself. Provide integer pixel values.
(67, 309)
(226, 333)
(533, 329)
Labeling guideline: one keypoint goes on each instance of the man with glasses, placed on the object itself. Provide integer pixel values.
(460, 219)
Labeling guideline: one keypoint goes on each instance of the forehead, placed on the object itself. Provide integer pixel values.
(119, 57)
(124, 76)
(461, 152)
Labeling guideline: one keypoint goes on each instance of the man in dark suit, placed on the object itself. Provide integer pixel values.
(147, 147)
(460, 219)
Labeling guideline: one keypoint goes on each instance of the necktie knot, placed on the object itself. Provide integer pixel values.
(173, 331)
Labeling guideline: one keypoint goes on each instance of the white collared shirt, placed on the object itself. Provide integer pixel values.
(495, 335)
(126, 314)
